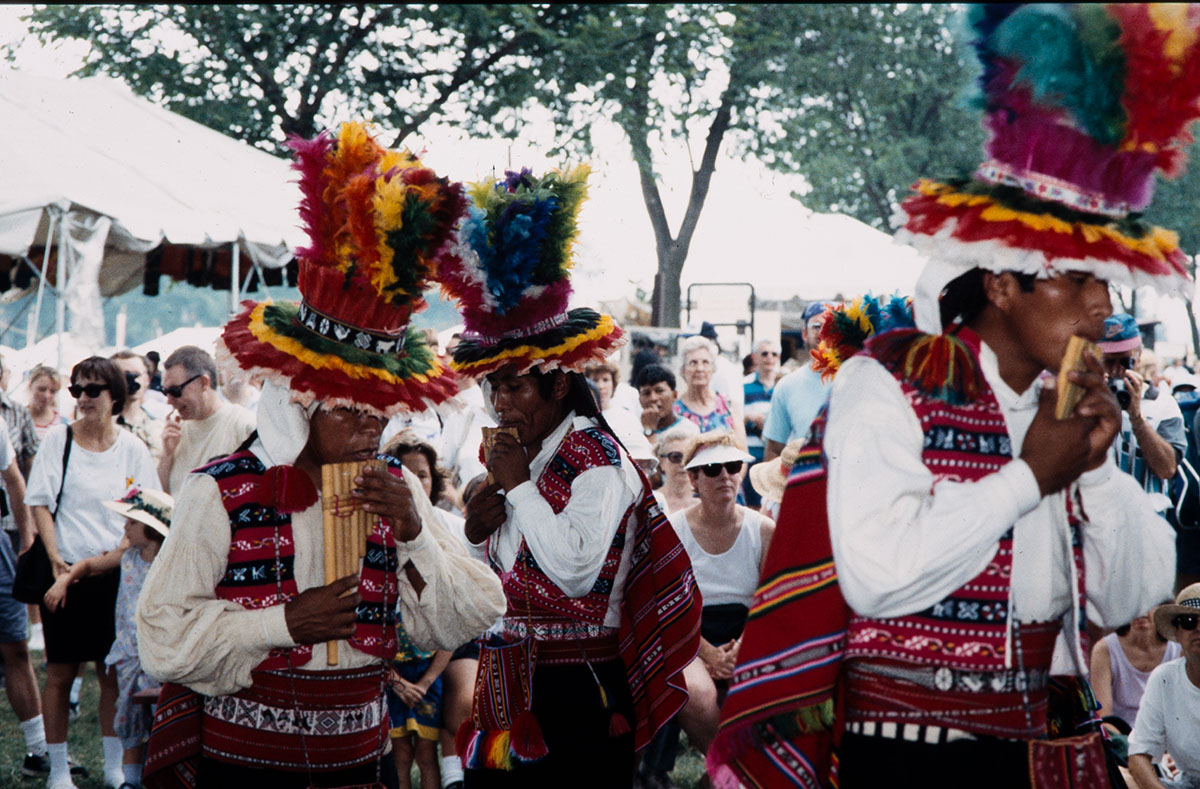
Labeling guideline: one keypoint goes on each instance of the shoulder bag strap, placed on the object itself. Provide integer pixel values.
(66, 457)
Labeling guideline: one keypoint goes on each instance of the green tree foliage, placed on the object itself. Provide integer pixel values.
(262, 72)
(879, 99)
(1174, 207)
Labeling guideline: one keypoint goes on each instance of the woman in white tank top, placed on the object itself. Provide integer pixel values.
(727, 544)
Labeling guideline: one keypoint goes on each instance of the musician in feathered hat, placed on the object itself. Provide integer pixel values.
(991, 528)
(602, 611)
(238, 598)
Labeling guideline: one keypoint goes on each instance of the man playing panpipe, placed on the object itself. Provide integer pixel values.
(237, 609)
(603, 614)
(976, 534)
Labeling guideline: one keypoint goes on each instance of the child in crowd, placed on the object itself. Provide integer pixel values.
(147, 519)
(415, 708)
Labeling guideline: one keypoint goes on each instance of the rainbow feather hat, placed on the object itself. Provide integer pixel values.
(380, 227)
(511, 276)
(848, 326)
(1084, 106)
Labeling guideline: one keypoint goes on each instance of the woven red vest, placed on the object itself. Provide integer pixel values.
(259, 574)
(968, 630)
(534, 601)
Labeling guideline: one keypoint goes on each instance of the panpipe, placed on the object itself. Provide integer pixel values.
(489, 440)
(347, 526)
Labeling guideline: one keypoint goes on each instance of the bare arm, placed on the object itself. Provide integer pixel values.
(1143, 773)
(45, 528)
(14, 483)
(771, 450)
(1101, 679)
(1157, 451)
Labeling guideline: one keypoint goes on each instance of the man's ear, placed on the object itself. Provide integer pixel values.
(560, 387)
(1000, 289)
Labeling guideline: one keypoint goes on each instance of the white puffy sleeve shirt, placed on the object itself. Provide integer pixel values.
(569, 546)
(186, 634)
(903, 542)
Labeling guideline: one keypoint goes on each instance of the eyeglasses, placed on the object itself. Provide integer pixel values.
(176, 391)
(714, 469)
(1185, 621)
(768, 353)
(674, 457)
(91, 390)
(1119, 363)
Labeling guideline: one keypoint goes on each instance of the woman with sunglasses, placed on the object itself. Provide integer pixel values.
(726, 543)
(101, 463)
(676, 491)
(1168, 720)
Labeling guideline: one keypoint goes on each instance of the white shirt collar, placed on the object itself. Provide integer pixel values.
(1009, 400)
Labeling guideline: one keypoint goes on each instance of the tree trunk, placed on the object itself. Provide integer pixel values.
(672, 251)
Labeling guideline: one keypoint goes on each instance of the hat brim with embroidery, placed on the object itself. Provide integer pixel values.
(380, 226)
(151, 507)
(511, 276)
(1084, 105)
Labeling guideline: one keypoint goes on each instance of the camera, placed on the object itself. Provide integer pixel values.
(1121, 392)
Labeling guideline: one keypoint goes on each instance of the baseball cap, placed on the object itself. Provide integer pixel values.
(1121, 333)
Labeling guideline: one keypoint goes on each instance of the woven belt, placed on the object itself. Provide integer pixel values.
(578, 651)
(952, 679)
(909, 732)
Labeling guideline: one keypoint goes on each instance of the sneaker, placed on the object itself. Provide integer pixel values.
(39, 764)
(74, 710)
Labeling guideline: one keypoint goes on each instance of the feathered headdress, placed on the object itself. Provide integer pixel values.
(511, 276)
(380, 226)
(849, 325)
(1084, 105)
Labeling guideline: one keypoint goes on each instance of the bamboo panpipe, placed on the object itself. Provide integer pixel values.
(347, 526)
(489, 439)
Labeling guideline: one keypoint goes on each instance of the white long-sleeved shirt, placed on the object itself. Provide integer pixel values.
(570, 546)
(186, 634)
(903, 541)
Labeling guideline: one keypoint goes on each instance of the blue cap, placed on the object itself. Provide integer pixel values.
(814, 309)
(1121, 333)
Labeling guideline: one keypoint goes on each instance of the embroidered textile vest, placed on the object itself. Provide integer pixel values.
(968, 631)
(260, 573)
(533, 599)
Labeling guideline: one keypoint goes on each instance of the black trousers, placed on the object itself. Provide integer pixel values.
(582, 754)
(986, 763)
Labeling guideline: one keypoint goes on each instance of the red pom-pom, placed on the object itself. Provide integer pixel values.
(462, 738)
(618, 724)
(527, 742)
(291, 490)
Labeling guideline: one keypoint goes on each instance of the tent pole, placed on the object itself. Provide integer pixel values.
(53, 211)
(60, 305)
(235, 280)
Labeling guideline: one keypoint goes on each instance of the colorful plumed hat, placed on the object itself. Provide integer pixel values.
(1084, 105)
(849, 325)
(511, 277)
(380, 225)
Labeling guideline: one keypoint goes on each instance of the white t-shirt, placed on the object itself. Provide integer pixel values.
(202, 440)
(732, 575)
(1169, 720)
(83, 526)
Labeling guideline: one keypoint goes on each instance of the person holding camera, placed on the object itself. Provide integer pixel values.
(1152, 439)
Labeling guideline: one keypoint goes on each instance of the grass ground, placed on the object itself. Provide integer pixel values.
(83, 741)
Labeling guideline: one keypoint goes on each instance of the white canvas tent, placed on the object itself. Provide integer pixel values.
(105, 177)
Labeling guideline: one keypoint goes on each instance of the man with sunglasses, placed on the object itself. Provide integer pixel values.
(1168, 719)
(203, 426)
(1152, 439)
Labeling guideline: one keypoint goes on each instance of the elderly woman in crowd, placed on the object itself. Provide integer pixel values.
(698, 401)
(676, 492)
(77, 469)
